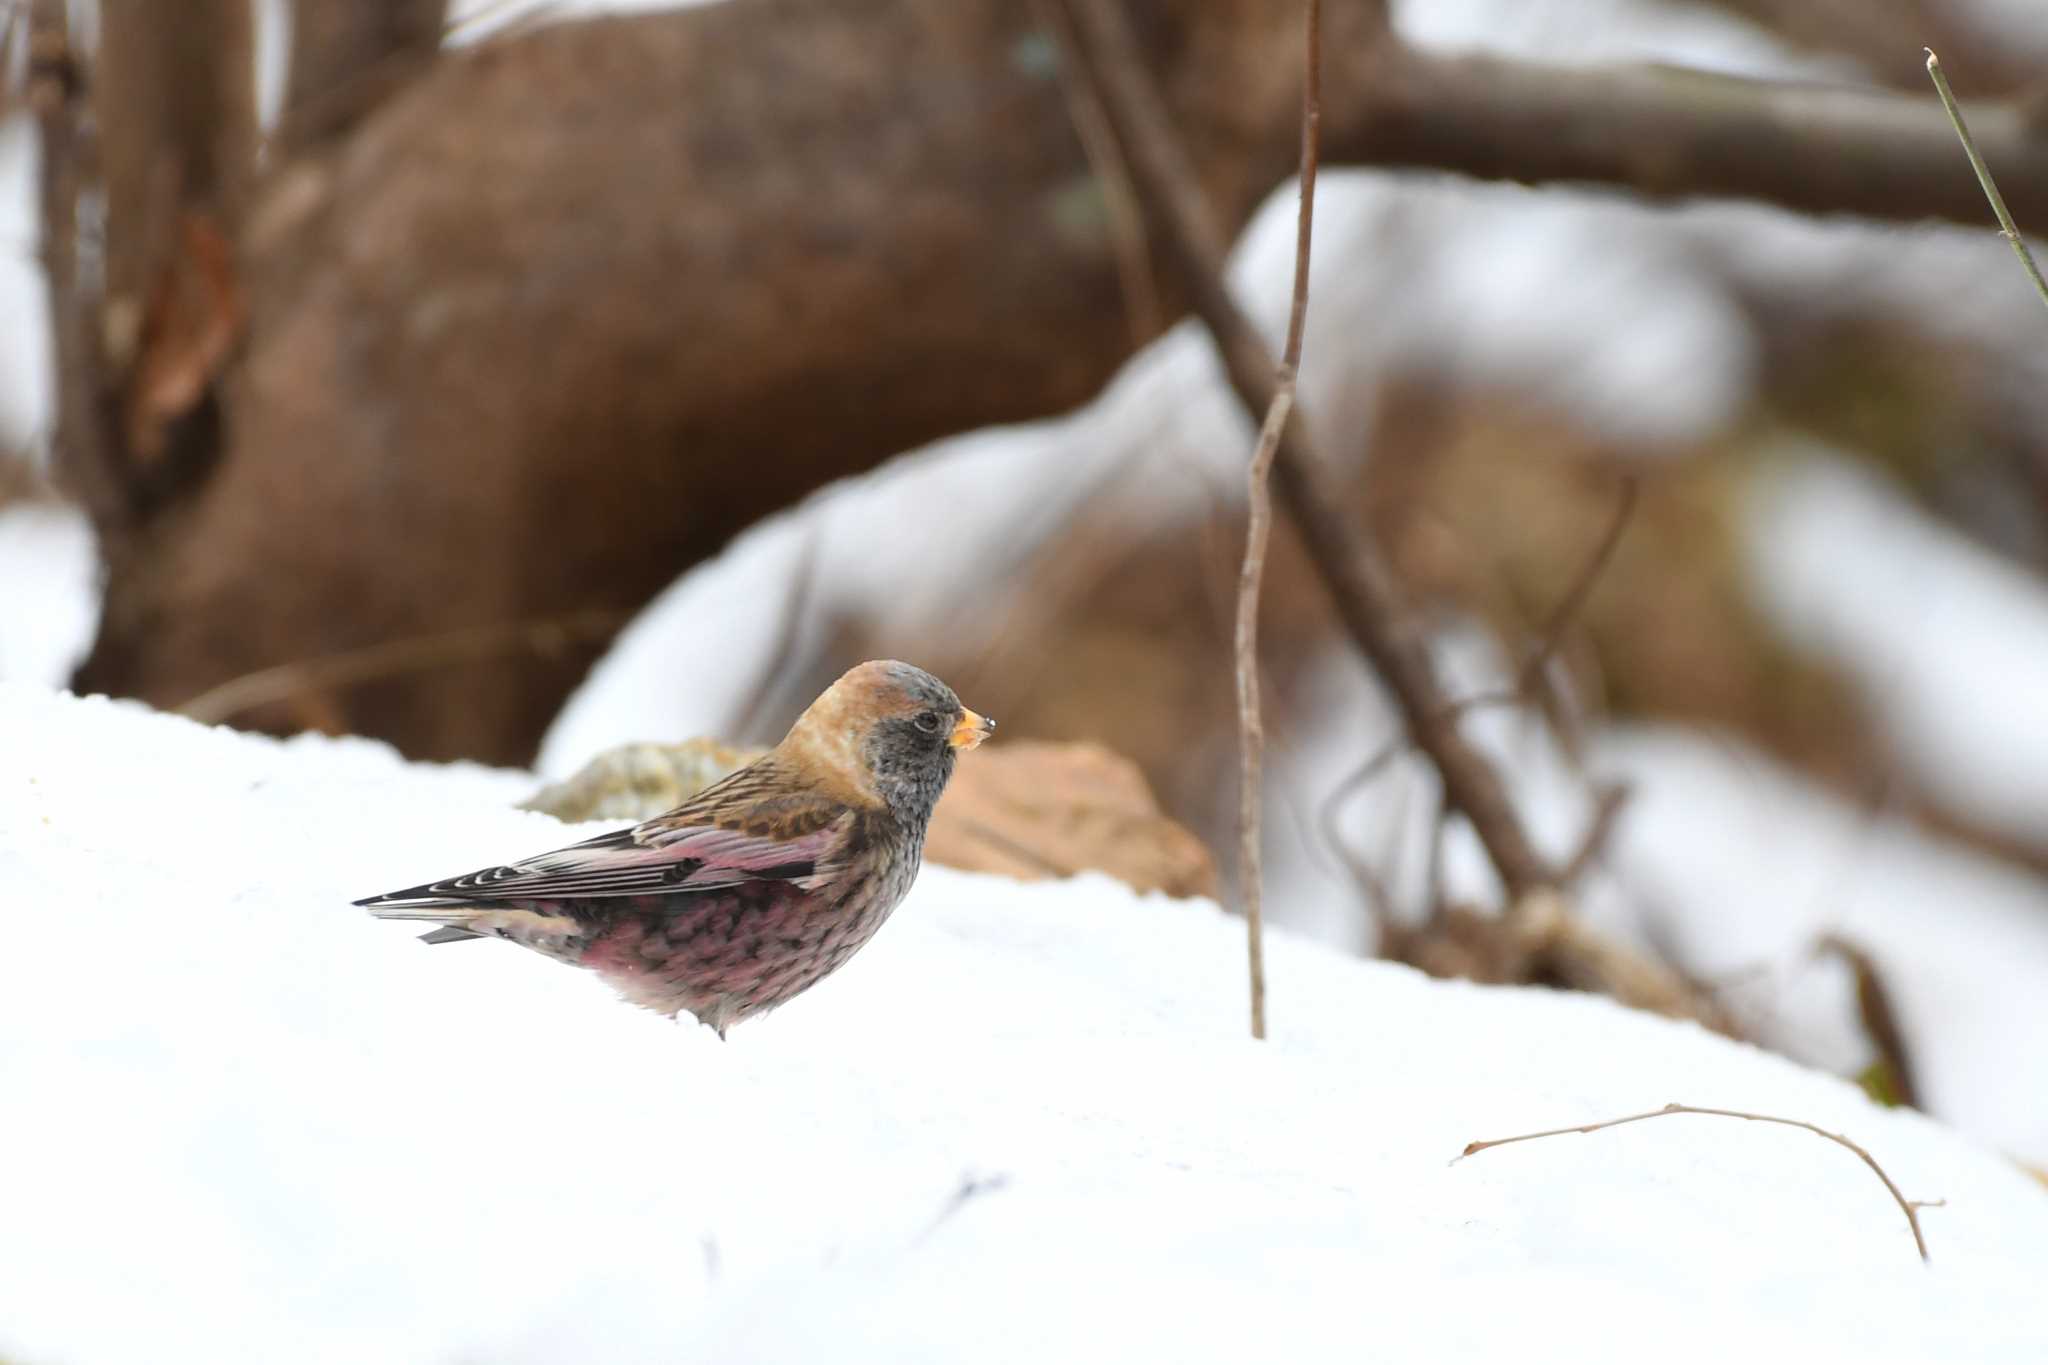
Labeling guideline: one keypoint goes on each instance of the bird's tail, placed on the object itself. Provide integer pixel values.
(452, 916)
(557, 934)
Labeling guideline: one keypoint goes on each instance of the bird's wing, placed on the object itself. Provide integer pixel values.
(803, 841)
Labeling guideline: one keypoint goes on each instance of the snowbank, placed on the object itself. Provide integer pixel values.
(276, 1129)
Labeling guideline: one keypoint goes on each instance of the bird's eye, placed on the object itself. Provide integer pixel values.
(928, 721)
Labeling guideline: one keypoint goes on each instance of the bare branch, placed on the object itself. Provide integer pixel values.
(1538, 928)
(1607, 806)
(1557, 946)
(1880, 1017)
(1258, 528)
(1910, 1207)
(1528, 682)
(1670, 133)
(1360, 585)
(2006, 226)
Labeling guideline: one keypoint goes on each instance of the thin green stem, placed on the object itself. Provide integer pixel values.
(2005, 222)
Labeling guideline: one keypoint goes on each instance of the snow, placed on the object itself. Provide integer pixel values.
(472, 20)
(270, 1120)
(25, 374)
(50, 572)
(1588, 31)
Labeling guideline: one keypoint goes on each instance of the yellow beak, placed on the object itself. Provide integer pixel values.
(971, 730)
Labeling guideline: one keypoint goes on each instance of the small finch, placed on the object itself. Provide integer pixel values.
(756, 888)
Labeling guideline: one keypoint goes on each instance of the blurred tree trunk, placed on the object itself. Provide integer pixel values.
(172, 149)
(175, 99)
(349, 55)
(526, 342)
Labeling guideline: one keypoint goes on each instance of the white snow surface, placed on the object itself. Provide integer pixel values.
(284, 1130)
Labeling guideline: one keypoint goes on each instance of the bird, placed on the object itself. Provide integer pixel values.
(755, 889)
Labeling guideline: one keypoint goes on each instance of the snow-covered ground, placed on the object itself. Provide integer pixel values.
(246, 1122)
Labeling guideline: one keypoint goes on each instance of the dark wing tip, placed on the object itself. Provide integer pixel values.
(471, 888)
(430, 893)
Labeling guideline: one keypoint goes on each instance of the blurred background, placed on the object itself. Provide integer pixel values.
(511, 381)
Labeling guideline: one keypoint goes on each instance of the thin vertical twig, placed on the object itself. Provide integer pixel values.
(1258, 528)
(2009, 229)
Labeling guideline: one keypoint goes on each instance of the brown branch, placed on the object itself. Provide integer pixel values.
(1360, 585)
(1607, 806)
(1528, 680)
(83, 455)
(1910, 1207)
(1538, 926)
(1669, 133)
(1880, 1018)
(395, 658)
(1558, 947)
(1258, 529)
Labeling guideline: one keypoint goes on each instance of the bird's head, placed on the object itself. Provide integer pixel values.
(887, 733)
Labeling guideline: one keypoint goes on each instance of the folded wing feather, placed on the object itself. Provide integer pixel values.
(649, 858)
